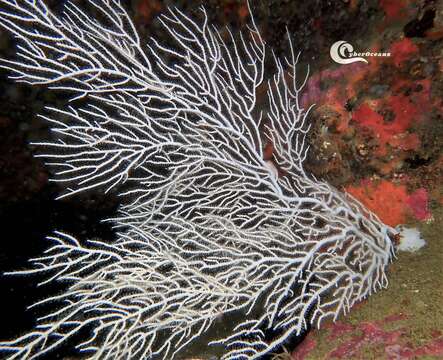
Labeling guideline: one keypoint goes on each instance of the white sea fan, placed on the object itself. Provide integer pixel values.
(207, 225)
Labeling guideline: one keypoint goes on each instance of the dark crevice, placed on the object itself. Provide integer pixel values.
(418, 27)
(417, 161)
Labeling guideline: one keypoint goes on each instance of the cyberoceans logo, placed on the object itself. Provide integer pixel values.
(343, 53)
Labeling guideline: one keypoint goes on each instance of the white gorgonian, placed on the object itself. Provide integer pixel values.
(207, 225)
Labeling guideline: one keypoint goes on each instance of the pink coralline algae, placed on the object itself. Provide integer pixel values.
(352, 341)
(432, 348)
(371, 334)
(392, 202)
(402, 50)
(304, 349)
(395, 9)
(396, 132)
(418, 203)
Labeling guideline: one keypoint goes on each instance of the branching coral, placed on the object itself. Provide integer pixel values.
(207, 225)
